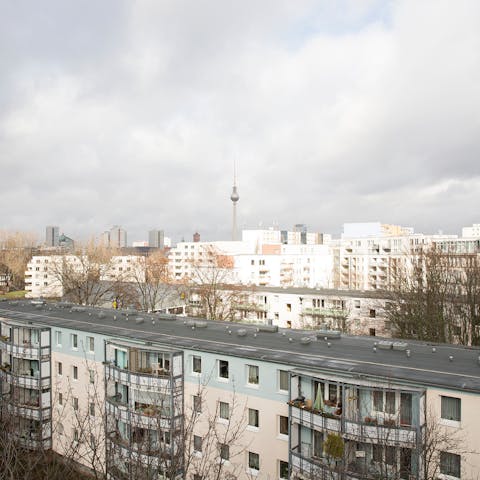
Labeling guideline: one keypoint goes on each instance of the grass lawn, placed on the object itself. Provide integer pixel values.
(13, 295)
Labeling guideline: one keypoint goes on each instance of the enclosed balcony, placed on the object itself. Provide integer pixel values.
(362, 413)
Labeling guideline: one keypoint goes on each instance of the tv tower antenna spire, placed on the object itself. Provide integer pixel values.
(234, 197)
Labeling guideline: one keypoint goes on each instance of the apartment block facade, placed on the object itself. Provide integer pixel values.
(266, 402)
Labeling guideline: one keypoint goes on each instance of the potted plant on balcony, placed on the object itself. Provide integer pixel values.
(334, 447)
(371, 421)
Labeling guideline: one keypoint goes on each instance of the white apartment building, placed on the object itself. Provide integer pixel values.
(355, 312)
(471, 232)
(44, 272)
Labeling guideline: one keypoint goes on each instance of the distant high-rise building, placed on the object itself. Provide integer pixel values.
(302, 229)
(66, 242)
(156, 239)
(51, 236)
(118, 237)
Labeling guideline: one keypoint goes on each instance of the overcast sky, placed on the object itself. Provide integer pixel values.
(132, 113)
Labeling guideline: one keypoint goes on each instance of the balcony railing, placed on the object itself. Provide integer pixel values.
(363, 430)
(29, 411)
(139, 417)
(141, 380)
(26, 381)
(325, 312)
(26, 350)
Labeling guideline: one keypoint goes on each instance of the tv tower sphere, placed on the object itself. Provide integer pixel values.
(234, 197)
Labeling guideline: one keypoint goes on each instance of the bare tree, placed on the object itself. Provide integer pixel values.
(89, 276)
(436, 297)
(15, 252)
(153, 282)
(212, 286)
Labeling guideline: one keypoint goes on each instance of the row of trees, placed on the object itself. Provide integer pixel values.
(435, 296)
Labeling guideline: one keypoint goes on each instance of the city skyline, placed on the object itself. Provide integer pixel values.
(132, 114)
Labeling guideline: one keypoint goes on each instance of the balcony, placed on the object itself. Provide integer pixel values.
(312, 468)
(146, 379)
(26, 350)
(142, 417)
(29, 411)
(324, 312)
(319, 420)
(251, 307)
(26, 380)
(387, 434)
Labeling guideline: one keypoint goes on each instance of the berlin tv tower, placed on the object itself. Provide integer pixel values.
(234, 197)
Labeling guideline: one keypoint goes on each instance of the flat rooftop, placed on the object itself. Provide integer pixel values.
(434, 365)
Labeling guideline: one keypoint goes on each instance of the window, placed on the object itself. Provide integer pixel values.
(283, 425)
(197, 364)
(197, 476)
(289, 307)
(91, 409)
(76, 436)
(58, 338)
(223, 369)
(197, 443)
(283, 470)
(75, 372)
(59, 368)
(252, 374)
(372, 313)
(74, 340)
(90, 344)
(317, 444)
(283, 380)
(224, 451)
(224, 410)
(356, 303)
(60, 398)
(93, 441)
(390, 402)
(253, 461)
(378, 400)
(75, 403)
(390, 455)
(60, 428)
(450, 464)
(253, 417)
(377, 453)
(451, 408)
(197, 404)
(91, 374)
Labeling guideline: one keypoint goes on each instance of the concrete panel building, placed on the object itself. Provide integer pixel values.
(309, 406)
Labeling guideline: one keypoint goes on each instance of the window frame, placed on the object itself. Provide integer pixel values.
(253, 375)
(222, 365)
(254, 461)
(196, 370)
(223, 410)
(280, 372)
(456, 416)
(253, 418)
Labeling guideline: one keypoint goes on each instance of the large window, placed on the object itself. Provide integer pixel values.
(283, 425)
(197, 404)
(90, 344)
(197, 443)
(283, 380)
(253, 461)
(74, 340)
(224, 451)
(450, 464)
(283, 470)
(451, 408)
(58, 337)
(197, 364)
(252, 377)
(223, 369)
(224, 411)
(253, 417)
